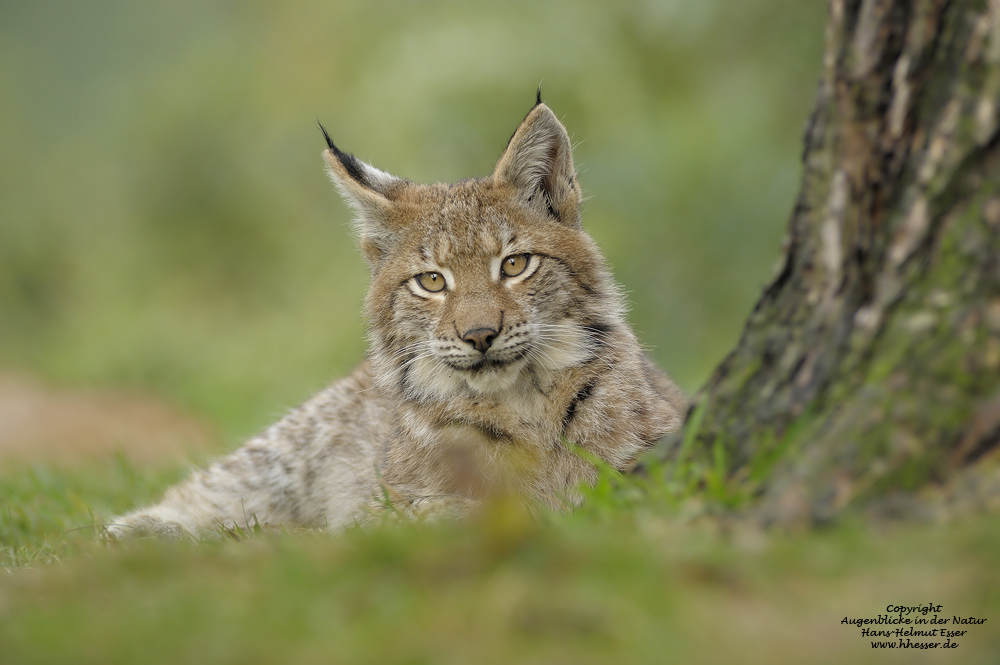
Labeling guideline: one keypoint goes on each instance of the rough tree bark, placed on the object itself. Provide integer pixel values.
(870, 367)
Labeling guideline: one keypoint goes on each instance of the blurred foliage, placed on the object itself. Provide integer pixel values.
(165, 221)
(611, 583)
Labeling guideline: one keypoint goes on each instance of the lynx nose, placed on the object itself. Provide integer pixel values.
(481, 338)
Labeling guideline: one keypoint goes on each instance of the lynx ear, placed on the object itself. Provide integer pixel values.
(538, 162)
(371, 193)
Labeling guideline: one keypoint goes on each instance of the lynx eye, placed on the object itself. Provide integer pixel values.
(513, 266)
(431, 281)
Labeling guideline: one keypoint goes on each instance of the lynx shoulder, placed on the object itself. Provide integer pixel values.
(498, 343)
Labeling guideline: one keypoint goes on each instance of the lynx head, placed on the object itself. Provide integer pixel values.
(486, 285)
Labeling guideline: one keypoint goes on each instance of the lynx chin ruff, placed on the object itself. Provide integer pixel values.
(498, 344)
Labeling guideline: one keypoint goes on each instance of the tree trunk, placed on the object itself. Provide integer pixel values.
(870, 367)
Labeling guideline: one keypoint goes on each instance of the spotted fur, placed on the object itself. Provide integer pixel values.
(477, 381)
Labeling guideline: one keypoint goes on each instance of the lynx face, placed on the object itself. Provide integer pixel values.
(488, 296)
(485, 282)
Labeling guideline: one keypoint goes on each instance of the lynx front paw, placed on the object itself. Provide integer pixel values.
(143, 526)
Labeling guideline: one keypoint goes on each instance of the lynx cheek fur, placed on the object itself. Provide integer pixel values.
(497, 336)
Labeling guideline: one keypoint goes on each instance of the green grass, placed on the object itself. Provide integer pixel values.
(48, 512)
(637, 575)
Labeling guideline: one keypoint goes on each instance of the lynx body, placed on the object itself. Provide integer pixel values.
(498, 344)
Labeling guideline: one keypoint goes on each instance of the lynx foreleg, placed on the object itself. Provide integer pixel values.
(255, 483)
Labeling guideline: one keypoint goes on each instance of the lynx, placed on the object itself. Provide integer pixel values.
(499, 360)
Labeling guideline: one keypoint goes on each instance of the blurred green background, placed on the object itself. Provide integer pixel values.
(165, 222)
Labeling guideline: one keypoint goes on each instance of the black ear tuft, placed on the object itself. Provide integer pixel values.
(538, 95)
(329, 141)
(351, 163)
